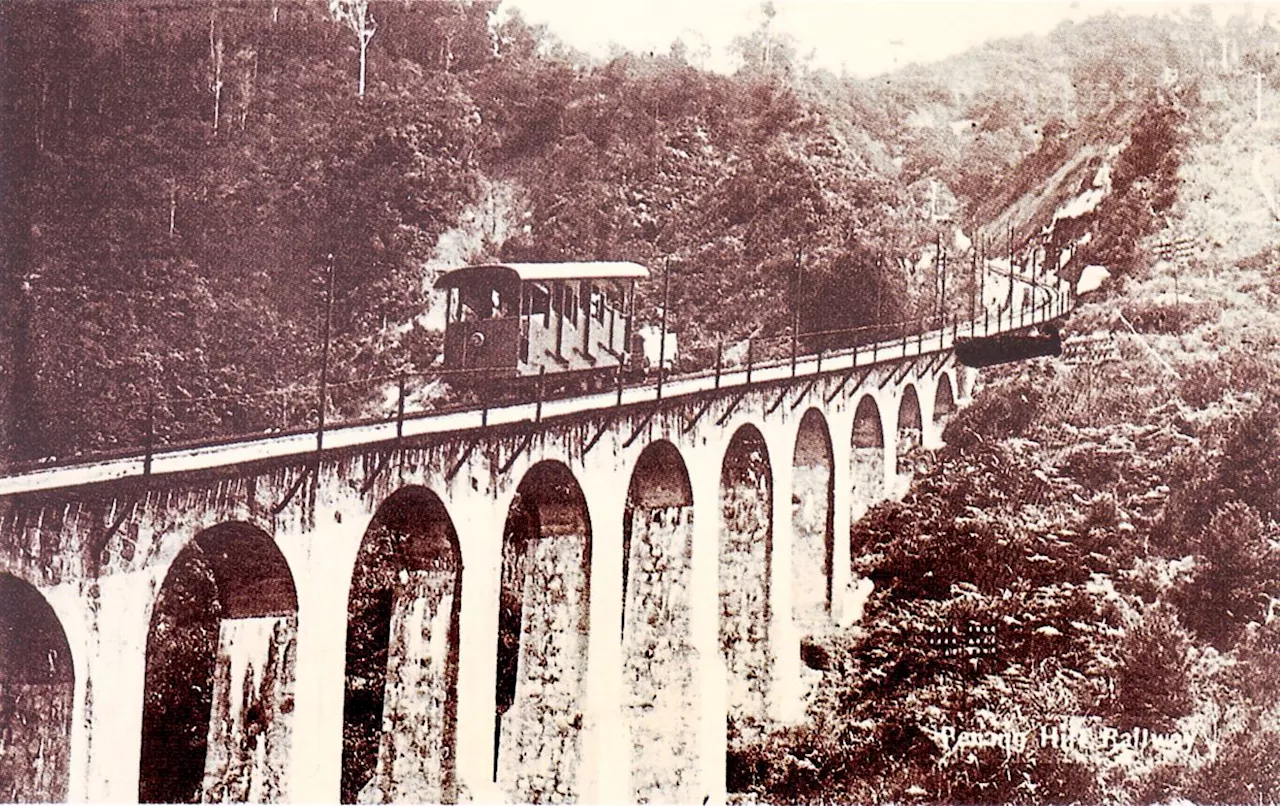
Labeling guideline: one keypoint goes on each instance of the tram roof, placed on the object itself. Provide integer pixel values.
(525, 272)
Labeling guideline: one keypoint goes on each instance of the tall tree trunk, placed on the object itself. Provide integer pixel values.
(364, 49)
(215, 84)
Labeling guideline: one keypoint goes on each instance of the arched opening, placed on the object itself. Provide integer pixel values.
(542, 637)
(812, 522)
(220, 671)
(746, 537)
(944, 402)
(910, 427)
(658, 662)
(867, 460)
(37, 689)
(399, 716)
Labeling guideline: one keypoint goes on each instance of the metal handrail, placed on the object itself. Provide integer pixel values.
(199, 454)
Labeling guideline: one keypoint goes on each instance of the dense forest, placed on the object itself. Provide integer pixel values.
(180, 177)
(1117, 514)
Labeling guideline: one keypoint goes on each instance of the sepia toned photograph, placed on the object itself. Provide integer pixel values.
(639, 401)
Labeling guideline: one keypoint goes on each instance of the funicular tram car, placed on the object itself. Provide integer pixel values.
(517, 321)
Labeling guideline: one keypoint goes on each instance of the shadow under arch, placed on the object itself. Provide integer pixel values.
(944, 401)
(745, 562)
(658, 661)
(227, 611)
(399, 719)
(543, 623)
(910, 430)
(37, 692)
(867, 457)
(813, 520)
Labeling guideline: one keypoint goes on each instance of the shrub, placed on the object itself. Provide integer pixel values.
(1006, 410)
(1251, 469)
(1233, 576)
(1246, 768)
(1153, 678)
(1194, 495)
(1149, 316)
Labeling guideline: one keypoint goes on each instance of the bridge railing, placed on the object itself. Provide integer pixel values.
(399, 415)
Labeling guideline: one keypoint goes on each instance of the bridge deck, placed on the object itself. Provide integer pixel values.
(211, 456)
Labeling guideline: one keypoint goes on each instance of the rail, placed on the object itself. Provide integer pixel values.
(1050, 303)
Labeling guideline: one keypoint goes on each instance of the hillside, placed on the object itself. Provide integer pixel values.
(180, 177)
(1117, 516)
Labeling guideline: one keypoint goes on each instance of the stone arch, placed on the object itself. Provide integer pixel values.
(867, 457)
(910, 430)
(37, 692)
(657, 653)
(543, 623)
(746, 543)
(219, 672)
(399, 732)
(813, 521)
(944, 402)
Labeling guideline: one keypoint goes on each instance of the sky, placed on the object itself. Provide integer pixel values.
(854, 37)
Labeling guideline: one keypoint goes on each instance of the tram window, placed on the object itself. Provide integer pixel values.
(473, 304)
(499, 308)
(597, 304)
(537, 300)
(570, 307)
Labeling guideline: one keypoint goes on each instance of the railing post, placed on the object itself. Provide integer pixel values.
(821, 350)
(537, 412)
(661, 378)
(150, 437)
(400, 409)
(719, 360)
(751, 349)
(320, 425)
(324, 361)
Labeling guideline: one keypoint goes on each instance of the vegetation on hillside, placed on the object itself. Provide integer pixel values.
(179, 179)
(1116, 522)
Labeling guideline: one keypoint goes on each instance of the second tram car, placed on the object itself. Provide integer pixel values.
(515, 320)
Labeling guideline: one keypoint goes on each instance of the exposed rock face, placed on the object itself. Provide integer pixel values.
(248, 740)
(658, 659)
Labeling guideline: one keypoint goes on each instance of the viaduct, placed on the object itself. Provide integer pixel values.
(595, 598)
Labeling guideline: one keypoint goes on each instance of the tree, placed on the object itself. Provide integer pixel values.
(355, 15)
(216, 50)
(764, 49)
(1233, 581)
(1253, 471)
(1153, 679)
